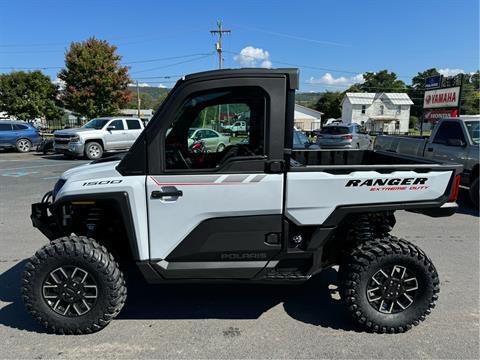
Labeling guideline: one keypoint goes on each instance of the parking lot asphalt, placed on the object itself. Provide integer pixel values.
(241, 321)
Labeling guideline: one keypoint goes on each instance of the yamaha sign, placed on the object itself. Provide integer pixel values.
(441, 98)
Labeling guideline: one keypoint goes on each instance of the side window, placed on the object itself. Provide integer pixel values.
(133, 124)
(448, 130)
(118, 124)
(364, 109)
(211, 115)
(19, 127)
(210, 134)
(5, 127)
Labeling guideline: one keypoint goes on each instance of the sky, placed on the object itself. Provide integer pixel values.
(332, 42)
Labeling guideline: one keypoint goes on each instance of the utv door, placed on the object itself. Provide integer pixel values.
(215, 214)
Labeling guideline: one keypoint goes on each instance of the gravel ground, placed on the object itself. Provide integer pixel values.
(222, 321)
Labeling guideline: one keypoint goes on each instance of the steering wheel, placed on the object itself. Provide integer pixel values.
(235, 150)
(175, 158)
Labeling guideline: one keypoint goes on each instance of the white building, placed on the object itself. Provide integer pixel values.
(307, 119)
(383, 112)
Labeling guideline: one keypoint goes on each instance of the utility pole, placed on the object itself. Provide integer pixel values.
(138, 101)
(218, 46)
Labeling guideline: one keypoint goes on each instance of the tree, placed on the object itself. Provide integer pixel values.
(161, 98)
(382, 81)
(29, 95)
(470, 99)
(146, 101)
(416, 91)
(95, 82)
(330, 104)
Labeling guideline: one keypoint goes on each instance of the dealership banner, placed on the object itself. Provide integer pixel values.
(441, 98)
(437, 114)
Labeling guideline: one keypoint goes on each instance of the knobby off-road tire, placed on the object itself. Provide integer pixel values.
(77, 263)
(385, 268)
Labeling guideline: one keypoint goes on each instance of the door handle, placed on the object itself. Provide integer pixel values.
(168, 192)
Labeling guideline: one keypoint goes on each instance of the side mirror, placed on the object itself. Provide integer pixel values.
(111, 127)
(455, 142)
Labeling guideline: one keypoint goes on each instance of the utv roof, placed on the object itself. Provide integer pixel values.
(291, 73)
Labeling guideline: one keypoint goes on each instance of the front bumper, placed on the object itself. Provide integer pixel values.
(73, 149)
(43, 221)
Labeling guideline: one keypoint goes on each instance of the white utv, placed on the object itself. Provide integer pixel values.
(258, 211)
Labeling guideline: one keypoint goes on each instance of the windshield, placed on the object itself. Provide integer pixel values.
(190, 132)
(335, 130)
(473, 128)
(302, 137)
(95, 124)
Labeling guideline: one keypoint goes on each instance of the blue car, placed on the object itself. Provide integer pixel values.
(19, 135)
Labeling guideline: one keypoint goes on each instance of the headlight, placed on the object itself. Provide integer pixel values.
(59, 184)
(75, 139)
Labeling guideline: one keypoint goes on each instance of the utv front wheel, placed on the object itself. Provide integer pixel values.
(73, 286)
(389, 285)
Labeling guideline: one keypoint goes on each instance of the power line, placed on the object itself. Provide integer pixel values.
(165, 58)
(172, 64)
(122, 63)
(294, 37)
(312, 67)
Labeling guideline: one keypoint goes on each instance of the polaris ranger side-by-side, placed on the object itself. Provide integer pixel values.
(258, 211)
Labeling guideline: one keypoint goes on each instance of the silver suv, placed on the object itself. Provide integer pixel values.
(345, 136)
(98, 136)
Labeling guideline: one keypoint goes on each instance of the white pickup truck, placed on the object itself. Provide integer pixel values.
(107, 134)
(238, 127)
(259, 211)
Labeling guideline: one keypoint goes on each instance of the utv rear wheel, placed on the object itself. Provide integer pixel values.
(93, 150)
(389, 285)
(73, 286)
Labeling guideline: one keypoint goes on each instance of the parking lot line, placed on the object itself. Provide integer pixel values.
(38, 166)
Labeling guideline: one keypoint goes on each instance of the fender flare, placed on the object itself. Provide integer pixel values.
(122, 204)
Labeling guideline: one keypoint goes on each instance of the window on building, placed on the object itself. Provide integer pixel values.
(399, 109)
(364, 109)
(198, 121)
(382, 109)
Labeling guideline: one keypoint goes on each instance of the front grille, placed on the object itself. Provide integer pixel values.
(62, 139)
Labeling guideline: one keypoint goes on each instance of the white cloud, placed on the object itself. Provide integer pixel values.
(161, 86)
(450, 72)
(329, 79)
(253, 57)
